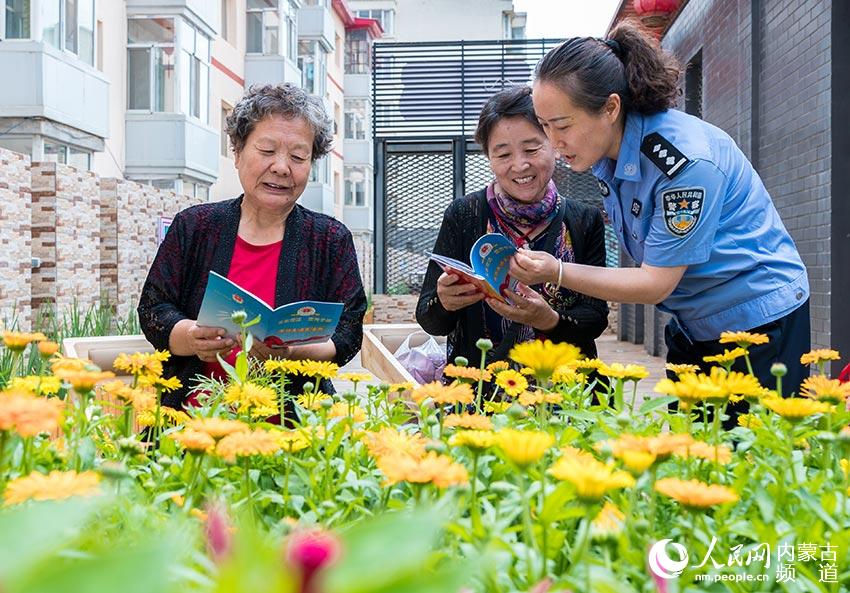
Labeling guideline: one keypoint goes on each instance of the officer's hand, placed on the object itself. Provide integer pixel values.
(454, 295)
(529, 308)
(534, 267)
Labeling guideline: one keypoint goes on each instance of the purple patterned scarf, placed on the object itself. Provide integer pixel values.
(531, 216)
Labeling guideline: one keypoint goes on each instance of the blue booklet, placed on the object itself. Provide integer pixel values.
(490, 258)
(295, 324)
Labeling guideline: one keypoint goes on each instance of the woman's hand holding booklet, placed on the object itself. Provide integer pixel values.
(490, 258)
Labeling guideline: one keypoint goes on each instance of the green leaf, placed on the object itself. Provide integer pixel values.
(231, 372)
(650, 405)
(555, 505)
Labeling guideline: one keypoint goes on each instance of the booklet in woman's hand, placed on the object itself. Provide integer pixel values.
(295, 324)
(490, 257)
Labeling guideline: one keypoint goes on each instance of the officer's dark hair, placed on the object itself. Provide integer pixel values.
(629, 63)
(513, 101)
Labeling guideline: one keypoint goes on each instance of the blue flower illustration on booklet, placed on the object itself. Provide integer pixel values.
(490, 259)
(293, 324)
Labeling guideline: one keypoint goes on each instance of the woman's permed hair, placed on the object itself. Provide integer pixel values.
(286, 100)
(512, 101)
(629, 63)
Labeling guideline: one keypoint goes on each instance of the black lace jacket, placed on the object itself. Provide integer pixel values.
(464, 221)
(317, 262)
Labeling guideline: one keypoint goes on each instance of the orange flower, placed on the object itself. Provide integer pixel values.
(444, 394)
(694, 494)
(246, 444)
(471, 421)
(83, 381)
(194, 440)
(47, 349)
(468, 373)
(18, 341)
(439, 470)
(217, 428)
(54, 486)
(389, 441)
(30, 416)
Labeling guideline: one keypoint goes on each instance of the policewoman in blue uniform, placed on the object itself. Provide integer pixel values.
(685, 202)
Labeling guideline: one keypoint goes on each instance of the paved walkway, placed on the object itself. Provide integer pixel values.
(610, 350)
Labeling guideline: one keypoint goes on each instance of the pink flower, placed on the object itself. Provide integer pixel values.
(218, 530)
(310, 551)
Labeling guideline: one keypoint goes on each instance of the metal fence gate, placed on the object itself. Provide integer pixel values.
(426, 101)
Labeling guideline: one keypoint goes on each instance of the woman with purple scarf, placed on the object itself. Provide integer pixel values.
(522, 204)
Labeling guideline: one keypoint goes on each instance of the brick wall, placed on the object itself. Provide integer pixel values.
(365, 247)
(15, 240)
(395, 308)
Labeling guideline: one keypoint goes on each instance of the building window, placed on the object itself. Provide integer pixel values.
(319, 171)
(290, 30)
(355, 119)
(194, 72)
(225, 112)
(315, 3)
(226, 26)
(356, 186)
(150, 64)
(358, 52)
(17, 19)
(693, 85)
(313, 62)
(263, 27)
(163, 184)
(385, 17)
(55, 152)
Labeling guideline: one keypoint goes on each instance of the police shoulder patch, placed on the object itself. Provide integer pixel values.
(663, 154)
(682, 209)
(603, 188)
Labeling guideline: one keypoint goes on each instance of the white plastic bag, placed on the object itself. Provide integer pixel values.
(424, 362)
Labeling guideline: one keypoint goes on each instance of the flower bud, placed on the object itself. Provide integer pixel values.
(326, 404)
(309, 387)
(777, 369)
(461, 361)
(516, 411)
(436, 446)
(484, 345)
(238, 317)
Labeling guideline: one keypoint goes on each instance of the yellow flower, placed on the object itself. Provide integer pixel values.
(531, 398)
(46, 349)
(60, 363)
(512, 382)
(444, 394)
(318, 368)
(29, 415)
(389, 441)
(566, 375)
(721, 453)
(586, 365)
(819, 356)
(344, 410)
(158, 382)
(845, 466)
(285, 366)
(251, 398)
(661, 446)
(726, 357)
(592, 479)
(17, 341)
(247, 443)
(194, 440)
(691, 389)
(471, 421)
(399, 387)
(54, 486)
(356, 377)
(174, 417)
(825, 389)
(469, 373)
(312, 401)
(217, 428)
(608, 524)
(681, 369)
(749, 421)
(694, 494)
(142, 363)
(199, 514)
(637, 462)
(743, 339)
(477, 440)
(737, 385)
(499, 365)
(524, 447)
(629, 372)
(37, 385)
(440, 470)
(292, 441)
(570, 451)
(795, 409)
(83, 381)
(496, 407)
(544, 357)
(177, 499)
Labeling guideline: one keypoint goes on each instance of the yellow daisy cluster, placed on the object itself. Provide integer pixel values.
(544, 357)
(743, 339)
(141, 364)
(533, 398)
(795, 409)
(440, 470)
(141, 399)
(160, 383)
(568, 375)
(166, 414)
(638, 453)
(83, 380)
(702, 450)
(253, 399)
(592, 479)
(247, 444)
(681, 369)
(717, 387)
(476, 440)
(56, 485)
(470, 421)
(628, 372)
(355, 377)
(312, 401)
(512, 382)
(389, 441)
(496, 407)
(460, 393)
(37, 385)
(749, 421)
(695, 495)
(399, 387)
(308, 368)
(217, 428)
(292, 441)
(608, 523)
(466, 373)
(194, 440)
(499, 365)
(18, 341)
(524, 447)
(29, 415)
(825, 389)
(819, 356)
(344, 410)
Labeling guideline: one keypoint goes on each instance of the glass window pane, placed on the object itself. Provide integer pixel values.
(86, 52)
(166, 184)
(271, 44)
(71, 25)
(187, 36)
(18, 19)
(183, 71)
(225, 111)
(138, 78)
(387, 23)
(203, 91)
(203, 47)
(55, 153)
(194, 87)
(292, 27)
(50, 32)
(261, 4)
(254, 28)
(164, 79)
(158, 30)
(202, 191)
(79, 159)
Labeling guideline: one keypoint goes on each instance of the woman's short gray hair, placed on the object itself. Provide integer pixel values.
(284, 99)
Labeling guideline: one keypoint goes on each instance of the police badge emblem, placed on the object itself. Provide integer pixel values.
(603, 187)
(682, 209)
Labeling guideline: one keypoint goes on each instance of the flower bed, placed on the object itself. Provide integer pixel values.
(557, 484)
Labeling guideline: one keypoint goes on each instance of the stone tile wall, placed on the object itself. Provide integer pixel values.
(15, 240)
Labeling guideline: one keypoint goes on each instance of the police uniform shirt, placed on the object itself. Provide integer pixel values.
(682, 193)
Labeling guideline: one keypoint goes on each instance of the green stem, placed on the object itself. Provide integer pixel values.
(246, 488)
(480, 382)
(634, 399)
(749, 364)
(526, 524)
(196, 471)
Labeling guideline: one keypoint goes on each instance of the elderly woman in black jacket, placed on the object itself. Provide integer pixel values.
(523, 204)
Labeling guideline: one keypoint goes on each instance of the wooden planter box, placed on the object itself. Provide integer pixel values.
(381, 340)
